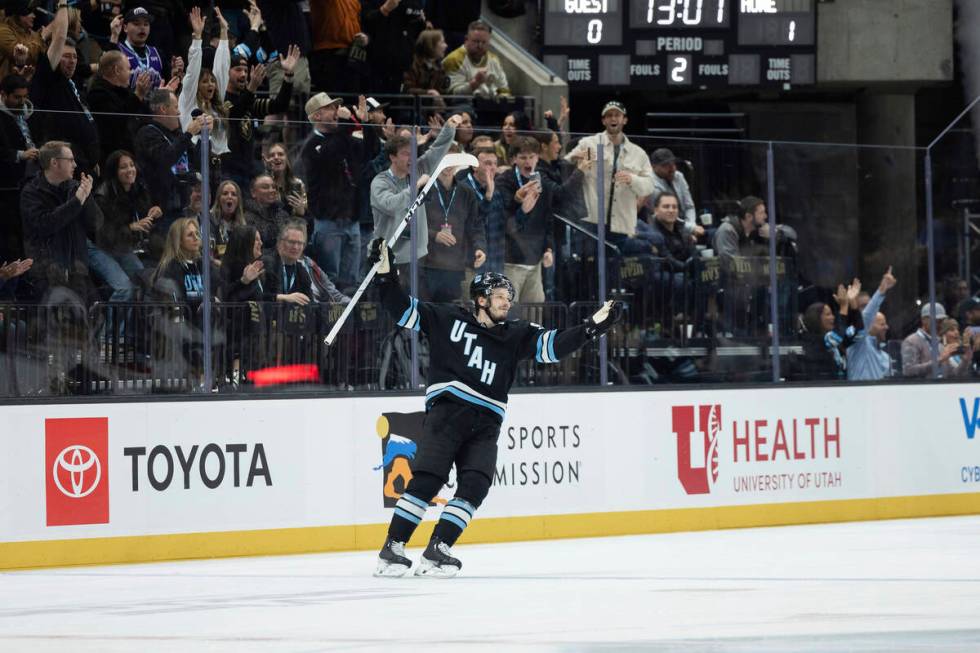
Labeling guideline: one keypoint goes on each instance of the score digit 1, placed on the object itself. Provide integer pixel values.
(594, 32)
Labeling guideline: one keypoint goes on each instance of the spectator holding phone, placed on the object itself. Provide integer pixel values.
(960, 359)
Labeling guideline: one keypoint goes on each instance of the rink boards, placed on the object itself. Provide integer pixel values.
(101, 483)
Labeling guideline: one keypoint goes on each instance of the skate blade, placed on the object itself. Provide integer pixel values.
(434, 571)
(389, 570)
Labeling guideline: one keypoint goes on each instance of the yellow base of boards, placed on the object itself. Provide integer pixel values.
(155, 548)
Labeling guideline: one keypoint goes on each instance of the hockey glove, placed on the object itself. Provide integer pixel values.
(378, 250)
(602, 320)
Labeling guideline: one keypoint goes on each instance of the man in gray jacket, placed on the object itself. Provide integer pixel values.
(391, 196)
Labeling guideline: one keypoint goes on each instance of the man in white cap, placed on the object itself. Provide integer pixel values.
(917, 348)
(329, 158)
(627, 177)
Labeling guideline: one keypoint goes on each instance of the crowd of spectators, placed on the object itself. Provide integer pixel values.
(103, 111)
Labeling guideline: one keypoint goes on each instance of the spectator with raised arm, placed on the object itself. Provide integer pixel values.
(62, 112)
(481, 182)
(20, 44)
(203, 88)
(867, 359)
(472, 68)
(143, 57)
(828, 334)
(392, 27)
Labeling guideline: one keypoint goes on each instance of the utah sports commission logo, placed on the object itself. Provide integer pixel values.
(696, 429)
(76, 464)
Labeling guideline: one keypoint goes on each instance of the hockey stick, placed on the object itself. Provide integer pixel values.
(459, 160)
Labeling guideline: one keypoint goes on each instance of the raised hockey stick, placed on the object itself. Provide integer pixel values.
(449, 161)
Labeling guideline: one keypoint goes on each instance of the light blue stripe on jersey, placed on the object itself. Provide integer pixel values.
(410, 318)
(407, 515)
(467, 397)
(546, 348)
(453, 519)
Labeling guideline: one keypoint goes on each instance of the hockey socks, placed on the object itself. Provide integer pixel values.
(409, 512)
(455, 518)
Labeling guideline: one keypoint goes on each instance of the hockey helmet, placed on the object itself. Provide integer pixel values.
(484, 284)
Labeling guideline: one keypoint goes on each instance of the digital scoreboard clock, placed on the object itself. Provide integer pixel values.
(681, 43)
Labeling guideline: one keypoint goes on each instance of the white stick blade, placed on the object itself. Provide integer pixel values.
(458, 160)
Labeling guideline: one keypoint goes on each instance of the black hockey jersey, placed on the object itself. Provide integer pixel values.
(469, 362)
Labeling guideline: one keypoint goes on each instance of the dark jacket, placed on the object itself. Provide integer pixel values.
(286, 24)
(465, 221)
(115, 131)
(159, 152)
(183, 283)
(233, 290)
(528, 235)
(241, 158)
(823, 354)
(56, 226)
(330, 163)
(52, 91)
(120, 209)
(676, 245)
(392, 38)
(12, 140)
(267, 219)
(279, 281)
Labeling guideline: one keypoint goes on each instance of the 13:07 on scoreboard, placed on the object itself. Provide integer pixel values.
(681, 43)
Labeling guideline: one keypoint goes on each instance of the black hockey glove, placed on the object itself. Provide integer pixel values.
(378, 250)
(602, 320)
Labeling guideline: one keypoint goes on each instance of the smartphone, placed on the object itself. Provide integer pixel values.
(535, 176)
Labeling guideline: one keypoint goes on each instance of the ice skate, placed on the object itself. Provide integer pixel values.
(436, 561)
(392, 562)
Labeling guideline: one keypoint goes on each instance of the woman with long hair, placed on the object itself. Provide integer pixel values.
(515, 122)
(178, 276)
(291, 188)
(128, 211)
(827, 334)
(226, 213)
(204, 88)
(241, 281)
(425, 76)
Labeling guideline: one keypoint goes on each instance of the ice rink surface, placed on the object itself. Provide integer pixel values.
(873, 586)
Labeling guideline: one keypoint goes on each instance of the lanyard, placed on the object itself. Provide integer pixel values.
(442, 203)
(288, 280)
(520, 182)
(143, 65)
(474, 184)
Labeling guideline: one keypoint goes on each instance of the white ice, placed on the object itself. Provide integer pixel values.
(875, 586)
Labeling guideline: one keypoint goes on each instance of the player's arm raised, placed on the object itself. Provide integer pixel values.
(551, 345)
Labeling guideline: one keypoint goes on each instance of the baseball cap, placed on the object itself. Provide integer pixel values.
(137, 13)
(618, 106)
(940, 311)
(662, 156)
(319, 101)
(374, 105)
(238, 58)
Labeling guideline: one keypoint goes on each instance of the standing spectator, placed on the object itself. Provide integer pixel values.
(226, 214)
(330, 157)
(335, 25)
(425, 76)
(392, 27)
(163, 152)
(457, 238)
(829, 334)
(204, 88)
(240, 162)
(668, 178)
(867, 359)
(128, 219)
(18, 161)
(115, 104)
(392, 195)
(472, 68)
(85, 48)
(291, 188)
(490, 203)
(58, 214)
(960, 361)
(627, 172)
(287, 277)
(528, 209)
(917, 347)
(286, 25)
(264, 210)
(453, 17)
(63, 114)
(143, 58)
(20, 45)
(464, 130)
(514, 123)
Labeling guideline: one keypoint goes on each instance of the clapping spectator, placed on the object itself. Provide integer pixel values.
(9, 272)
(143, 57)
(867, 359)
(242, 267)
(18, 160)
(20, 45)
(425, 76)
(226, 214)
(472, 68)
(829, 333)
(116, 104)
(264, 210)
(917, 347)
(62, 111)
(129, 215)
(392, 27)
(481, 181)
(960, 359)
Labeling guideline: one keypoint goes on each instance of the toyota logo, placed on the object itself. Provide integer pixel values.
(83, 469)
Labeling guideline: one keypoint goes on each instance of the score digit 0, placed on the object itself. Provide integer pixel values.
(594, 32)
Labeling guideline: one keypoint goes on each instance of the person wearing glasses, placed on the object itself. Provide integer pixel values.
(287, 279)
(59, 213)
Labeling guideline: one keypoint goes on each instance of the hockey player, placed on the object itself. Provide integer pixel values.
(472, 365)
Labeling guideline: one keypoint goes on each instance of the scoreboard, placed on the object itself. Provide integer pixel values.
(696, 44)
